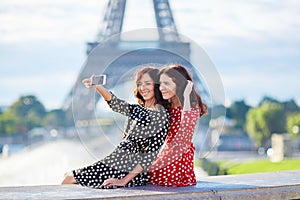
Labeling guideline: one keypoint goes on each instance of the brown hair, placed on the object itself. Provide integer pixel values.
(180, 76)
(153, 73)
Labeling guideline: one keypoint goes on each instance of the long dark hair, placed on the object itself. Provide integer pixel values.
(153, 73)
(180, 76)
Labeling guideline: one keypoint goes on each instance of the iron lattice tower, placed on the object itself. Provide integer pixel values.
(114, 16)
(169, 41)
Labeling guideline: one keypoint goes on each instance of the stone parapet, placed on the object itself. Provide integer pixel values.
(272, 185)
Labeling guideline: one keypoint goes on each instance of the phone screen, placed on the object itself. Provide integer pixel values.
(99, 80)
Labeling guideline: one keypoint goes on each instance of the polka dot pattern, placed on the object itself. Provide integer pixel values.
(144, 134)
(174, 166)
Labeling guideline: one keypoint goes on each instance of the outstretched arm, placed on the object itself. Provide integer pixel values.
(106, 94)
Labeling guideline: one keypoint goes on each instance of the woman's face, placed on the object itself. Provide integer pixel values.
(167, 86)
(146, 87)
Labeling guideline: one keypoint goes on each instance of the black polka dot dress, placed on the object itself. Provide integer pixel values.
(144, 134)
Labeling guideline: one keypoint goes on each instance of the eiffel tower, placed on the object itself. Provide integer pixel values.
(168, 48)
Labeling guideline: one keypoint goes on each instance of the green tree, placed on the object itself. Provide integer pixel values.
(28, 112)
(268, 99)
(293, 124)
(55, 119)
(237, 111)
(8, 123)
(264, 120)
(28, 103)
(290, 106)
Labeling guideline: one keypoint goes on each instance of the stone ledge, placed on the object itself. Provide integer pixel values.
(272, 185)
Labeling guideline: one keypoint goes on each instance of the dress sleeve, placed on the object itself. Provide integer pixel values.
(119, 105)
(180, 143)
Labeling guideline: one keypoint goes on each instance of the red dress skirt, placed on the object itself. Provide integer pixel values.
(174, 166)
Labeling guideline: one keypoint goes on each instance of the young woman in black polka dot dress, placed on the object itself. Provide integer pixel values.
(174, 166)
(146, 128)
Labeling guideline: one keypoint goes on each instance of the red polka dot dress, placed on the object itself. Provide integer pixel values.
(174, 166)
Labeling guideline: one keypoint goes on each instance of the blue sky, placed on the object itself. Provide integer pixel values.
(255, 45)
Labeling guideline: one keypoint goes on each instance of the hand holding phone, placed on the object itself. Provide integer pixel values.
(99, 80)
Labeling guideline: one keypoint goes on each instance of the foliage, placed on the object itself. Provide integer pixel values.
(265, 120)
(212, 168)
(290, 107)
(55, 118)
(293, 124)
(27, 104)
(237, 111)
(268, 99)
(8, 123)
(27, 113)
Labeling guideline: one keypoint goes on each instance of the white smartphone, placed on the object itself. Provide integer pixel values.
(99, 80)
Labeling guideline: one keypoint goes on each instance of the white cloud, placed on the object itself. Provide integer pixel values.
(49, 20)
(201, 20)
(253, 20)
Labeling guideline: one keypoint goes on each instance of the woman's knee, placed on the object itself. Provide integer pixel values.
(69, 179)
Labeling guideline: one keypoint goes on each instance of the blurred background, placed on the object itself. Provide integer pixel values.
(253, 45)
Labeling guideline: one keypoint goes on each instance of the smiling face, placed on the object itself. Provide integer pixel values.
(146, 87)
(167, 87)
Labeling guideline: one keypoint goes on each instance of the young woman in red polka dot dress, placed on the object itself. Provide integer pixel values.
(174, 166)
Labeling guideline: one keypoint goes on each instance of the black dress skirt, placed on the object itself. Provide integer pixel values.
(144, 134)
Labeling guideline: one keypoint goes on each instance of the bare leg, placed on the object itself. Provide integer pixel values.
(69, 179)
